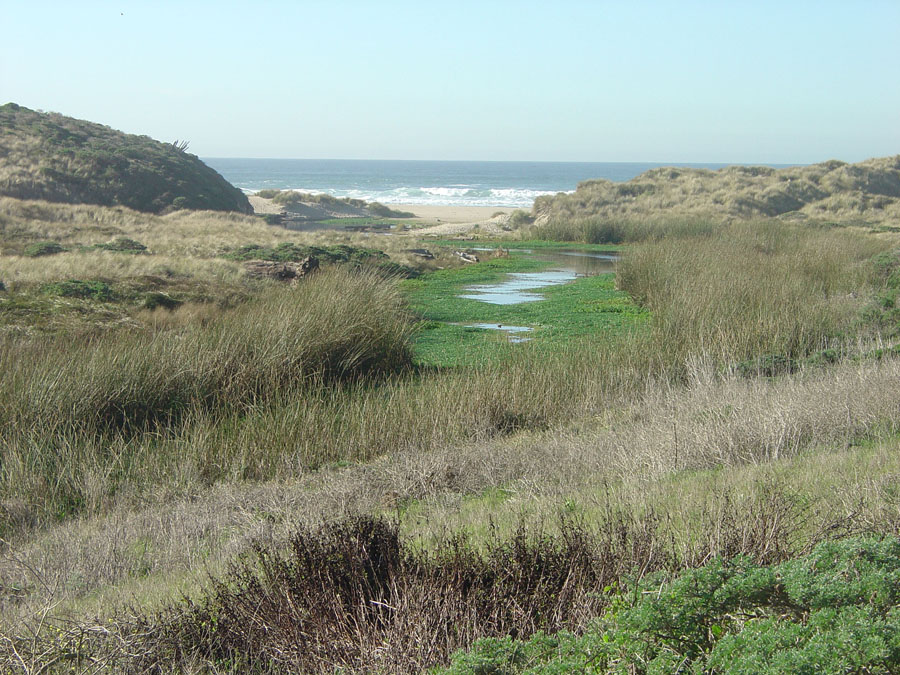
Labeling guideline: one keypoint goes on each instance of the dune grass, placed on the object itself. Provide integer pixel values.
(832, 192)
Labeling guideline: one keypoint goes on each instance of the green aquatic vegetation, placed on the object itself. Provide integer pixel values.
(585, 308)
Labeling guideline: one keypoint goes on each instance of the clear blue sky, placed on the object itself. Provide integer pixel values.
(681, 81)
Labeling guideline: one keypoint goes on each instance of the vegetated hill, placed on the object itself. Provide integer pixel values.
(833, 191)
(61, 159)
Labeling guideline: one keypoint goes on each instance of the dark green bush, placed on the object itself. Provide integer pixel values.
(156, 299)
(42, 248)
(383, 211)
(389, 268)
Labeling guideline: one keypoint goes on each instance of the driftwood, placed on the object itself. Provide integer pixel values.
(465, 256)
(281, 271)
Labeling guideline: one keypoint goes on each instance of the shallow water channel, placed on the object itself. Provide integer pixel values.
(519, 287)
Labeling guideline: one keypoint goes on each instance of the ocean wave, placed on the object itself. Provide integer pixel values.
(456, 195)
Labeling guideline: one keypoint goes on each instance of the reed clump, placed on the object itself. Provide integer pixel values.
(338, 326)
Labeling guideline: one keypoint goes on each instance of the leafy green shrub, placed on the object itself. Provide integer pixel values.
(835, 610)
(76, 288)
(42, 248)
(123, 245)
(180, 203)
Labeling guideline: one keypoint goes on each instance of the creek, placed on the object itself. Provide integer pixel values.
(517, 287)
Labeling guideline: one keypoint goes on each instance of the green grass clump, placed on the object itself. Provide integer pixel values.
(42, 248)
(834, 610)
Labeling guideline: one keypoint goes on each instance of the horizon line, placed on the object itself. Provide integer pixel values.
(522, 161)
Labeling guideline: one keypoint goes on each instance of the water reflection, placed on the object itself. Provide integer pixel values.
(518, 286)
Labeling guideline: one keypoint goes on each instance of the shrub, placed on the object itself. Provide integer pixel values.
(156, 299)
(123, 245)
(76, 288)
(288, 252)
(42, 248)
(833, 611)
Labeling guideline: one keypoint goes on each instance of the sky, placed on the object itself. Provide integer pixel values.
(605, 81)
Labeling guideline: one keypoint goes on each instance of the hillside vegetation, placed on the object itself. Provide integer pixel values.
(833, 192)
(60, 159)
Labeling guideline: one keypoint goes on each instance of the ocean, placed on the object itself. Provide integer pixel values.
(444, 183)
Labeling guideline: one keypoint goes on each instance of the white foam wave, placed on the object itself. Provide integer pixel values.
(457, 195)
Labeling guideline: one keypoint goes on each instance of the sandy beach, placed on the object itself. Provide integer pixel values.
(431, 219)
(452, 214)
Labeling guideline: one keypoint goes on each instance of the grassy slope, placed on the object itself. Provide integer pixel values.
(60, 159)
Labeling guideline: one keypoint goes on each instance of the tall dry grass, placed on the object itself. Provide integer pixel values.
(751, 290)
